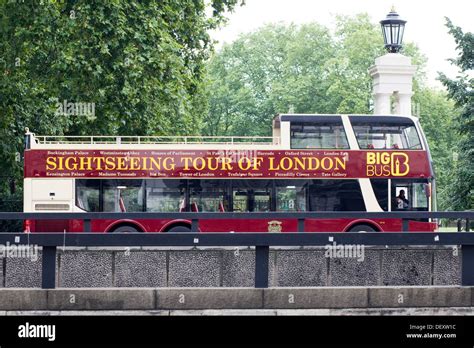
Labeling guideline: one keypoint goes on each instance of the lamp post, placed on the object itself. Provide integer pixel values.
(392, 73)
(393, 28)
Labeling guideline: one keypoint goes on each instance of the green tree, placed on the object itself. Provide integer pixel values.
(436, 112)
(274, 69)
(462, 92)
(141, 63)
(358, 42)
(302, 69)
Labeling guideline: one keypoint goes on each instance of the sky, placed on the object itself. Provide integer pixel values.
(425, 22)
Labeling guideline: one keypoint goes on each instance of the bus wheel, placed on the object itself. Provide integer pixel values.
(179, 228)
(125, 229)
(362, 228)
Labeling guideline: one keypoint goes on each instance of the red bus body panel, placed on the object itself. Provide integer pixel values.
(279, 164)
(232, 225)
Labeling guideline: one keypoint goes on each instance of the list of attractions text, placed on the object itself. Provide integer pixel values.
(226, 164)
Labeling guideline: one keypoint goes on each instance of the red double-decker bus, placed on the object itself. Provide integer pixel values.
(311, 163)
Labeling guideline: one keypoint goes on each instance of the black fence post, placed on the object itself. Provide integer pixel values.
(467, 266)
(87, 225)
(194, 225)
(405, 224)
(262, 253)
(468, 225)
(459, 225)
(300, 225)
(48, 278)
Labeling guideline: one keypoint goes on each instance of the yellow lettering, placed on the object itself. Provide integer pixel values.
(226, 163)
(300, 163)
(370, 170)
(51, 163)
(271, 164)
(247, 163)
(60, 163)
(313, 163)
(326, 163)
(121, 163)
(109, 163)
(85, 163)
(134, 163)
(153, 163)
(168, 163)
(99, 162)
(187, 162)
(68, 164)
(212, 163)
(340, 162)
(257, 162)
(370, 158)
(288, 165)
(199, 163)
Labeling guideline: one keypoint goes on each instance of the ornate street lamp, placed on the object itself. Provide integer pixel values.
(392, 28)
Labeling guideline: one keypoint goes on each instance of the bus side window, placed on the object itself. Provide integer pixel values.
(182, 206)
(208, 195)
(400, 203)
(240, 199)
(221, 207)
(88, 194)
(252, 195)
(261, 201)
(327, 134)
(380, 187)
(291, 195)
(81, 201)
(123, 195)
(336, 195)
(165, 195)
(415, 196)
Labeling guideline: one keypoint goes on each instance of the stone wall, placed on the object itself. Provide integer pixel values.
(369, 300)
(210, 267)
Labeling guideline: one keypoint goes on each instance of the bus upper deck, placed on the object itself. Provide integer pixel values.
(289, 131)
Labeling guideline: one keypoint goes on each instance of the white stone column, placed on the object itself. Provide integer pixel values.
(392, 75)
(404, 107)
(382, 104)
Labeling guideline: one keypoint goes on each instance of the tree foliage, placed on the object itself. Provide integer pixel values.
(302, 69)
(140, 62)
(462, 92)
(276, 68)
(436, 113)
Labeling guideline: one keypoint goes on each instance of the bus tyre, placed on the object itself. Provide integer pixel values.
(126, 229)
(179, 228)
(362, 228)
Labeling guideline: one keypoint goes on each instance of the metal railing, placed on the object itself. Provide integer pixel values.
(261, 241)
(185, 139)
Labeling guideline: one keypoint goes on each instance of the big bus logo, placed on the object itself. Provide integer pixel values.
(387, 164)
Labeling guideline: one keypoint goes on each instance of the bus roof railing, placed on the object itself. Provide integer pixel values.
(159, 139)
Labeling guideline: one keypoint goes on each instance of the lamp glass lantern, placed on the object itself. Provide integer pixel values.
(393, 28)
